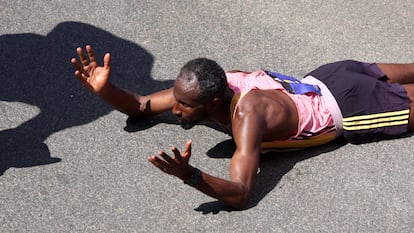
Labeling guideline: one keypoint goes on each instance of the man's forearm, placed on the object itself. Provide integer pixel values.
(235, 192)
(230, 192)
(122, 100)
(136, 105)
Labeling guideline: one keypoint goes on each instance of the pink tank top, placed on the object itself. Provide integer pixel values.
(315, 126)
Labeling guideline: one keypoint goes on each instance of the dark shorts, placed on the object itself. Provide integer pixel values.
(372, 109)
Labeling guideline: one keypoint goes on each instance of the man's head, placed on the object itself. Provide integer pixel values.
(198, 88)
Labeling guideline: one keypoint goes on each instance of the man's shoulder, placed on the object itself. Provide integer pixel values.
(256, 102)
(250, 100)
(264, 104)
(256, 97)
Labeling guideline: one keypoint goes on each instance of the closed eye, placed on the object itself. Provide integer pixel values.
(185, 104)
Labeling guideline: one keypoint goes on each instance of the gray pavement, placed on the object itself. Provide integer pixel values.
(68, 163)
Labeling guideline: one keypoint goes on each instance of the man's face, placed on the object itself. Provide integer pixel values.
(186, 108)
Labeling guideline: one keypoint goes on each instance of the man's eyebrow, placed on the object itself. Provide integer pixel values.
(185, 103)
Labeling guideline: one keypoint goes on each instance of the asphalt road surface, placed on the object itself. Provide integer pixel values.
(69, 163)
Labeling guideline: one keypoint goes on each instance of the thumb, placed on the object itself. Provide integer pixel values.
(107, 61)
(187, 150)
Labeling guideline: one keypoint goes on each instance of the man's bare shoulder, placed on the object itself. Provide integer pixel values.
(261, 99)
(272, 109)
(256, 105)
(252, 102)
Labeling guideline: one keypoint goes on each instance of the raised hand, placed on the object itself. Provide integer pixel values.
(178, 165)
(89, 73)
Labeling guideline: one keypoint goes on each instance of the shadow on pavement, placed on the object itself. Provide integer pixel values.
(36, 70)
(273, 166)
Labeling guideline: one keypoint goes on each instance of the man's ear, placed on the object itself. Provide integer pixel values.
(214, 103)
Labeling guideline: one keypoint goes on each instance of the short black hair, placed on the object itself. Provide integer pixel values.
(211, 77)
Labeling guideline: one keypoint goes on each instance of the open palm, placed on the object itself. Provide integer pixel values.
(89, 73)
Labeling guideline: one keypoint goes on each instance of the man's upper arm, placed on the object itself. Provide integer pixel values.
(248, 126)
(160, 101)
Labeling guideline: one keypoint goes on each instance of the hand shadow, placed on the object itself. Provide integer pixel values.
(273, 166)
(36, 70)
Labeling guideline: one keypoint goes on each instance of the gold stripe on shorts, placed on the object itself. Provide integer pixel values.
(376, 120)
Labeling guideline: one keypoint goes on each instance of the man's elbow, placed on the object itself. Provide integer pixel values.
(242, 200)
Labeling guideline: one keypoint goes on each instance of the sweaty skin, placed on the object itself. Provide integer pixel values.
(262, 115)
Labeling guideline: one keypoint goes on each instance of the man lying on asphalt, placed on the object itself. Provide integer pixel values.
(265, 110)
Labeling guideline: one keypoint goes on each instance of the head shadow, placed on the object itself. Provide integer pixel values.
(273, 166)
(36, 70)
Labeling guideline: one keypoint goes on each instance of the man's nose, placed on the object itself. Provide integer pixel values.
(176, 110)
